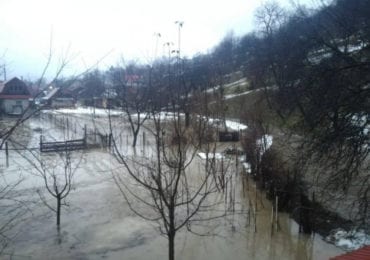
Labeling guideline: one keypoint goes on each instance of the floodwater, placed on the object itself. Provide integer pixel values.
(98, 223)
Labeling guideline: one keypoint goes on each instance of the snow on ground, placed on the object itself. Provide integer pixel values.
(211, 156)
(265, 143)
(232, 125)
(362, 122)
(231, 96)
(235, 126)
(240, 82)
(85, 111)
(247, 167)
(350, 240)
(161, 115)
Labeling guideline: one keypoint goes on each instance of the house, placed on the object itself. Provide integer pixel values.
(58, 98)
(15, 97)
(109, 98)
(91, 95)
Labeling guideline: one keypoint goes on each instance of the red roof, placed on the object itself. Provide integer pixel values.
(359, 254)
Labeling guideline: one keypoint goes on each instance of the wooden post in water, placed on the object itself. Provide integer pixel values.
(7, 154)
(313, 209)
(251, 212)
(110, 141)
(276, 212)
(40, 143)
(272, 220)
(255, 220)
(255, 201)
(300, 214)
(67, 129)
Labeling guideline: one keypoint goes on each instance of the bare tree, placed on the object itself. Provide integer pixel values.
(11, 209)
(255, 143)
(270, 17)
(316, 64)
(133, 88)
(164, 185)
(57, 172)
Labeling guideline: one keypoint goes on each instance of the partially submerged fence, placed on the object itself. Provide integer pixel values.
(70, 145)
(91, 139)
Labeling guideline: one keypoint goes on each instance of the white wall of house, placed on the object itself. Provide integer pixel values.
(62, 102)
(14, 106)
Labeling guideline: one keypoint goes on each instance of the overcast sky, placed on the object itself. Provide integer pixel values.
(88, 30)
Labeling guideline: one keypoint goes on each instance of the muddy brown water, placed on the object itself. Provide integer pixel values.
(99, 225)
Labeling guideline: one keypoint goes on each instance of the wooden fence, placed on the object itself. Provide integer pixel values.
(91, 139)
(70, 145)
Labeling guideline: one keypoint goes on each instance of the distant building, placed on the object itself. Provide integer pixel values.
(15, 96)
(58, 98)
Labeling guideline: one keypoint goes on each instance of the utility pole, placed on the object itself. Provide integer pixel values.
(157, 35)
(180, 24)
(179, 73)
(4, 72)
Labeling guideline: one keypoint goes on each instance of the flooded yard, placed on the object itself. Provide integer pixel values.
(98, 224)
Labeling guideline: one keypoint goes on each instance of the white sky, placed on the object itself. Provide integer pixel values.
(92, 29)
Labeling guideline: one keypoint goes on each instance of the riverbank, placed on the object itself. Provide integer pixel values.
(312, 216)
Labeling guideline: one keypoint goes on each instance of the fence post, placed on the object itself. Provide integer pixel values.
(68, 129)
(85, 135)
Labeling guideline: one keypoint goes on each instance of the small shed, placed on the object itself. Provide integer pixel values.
(228, 136)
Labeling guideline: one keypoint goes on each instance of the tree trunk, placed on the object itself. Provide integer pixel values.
(135, 133)
(58, 211)
(187, 119)
(171, 232)
(171, 245)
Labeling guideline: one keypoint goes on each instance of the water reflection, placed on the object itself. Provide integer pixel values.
(258, 240)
